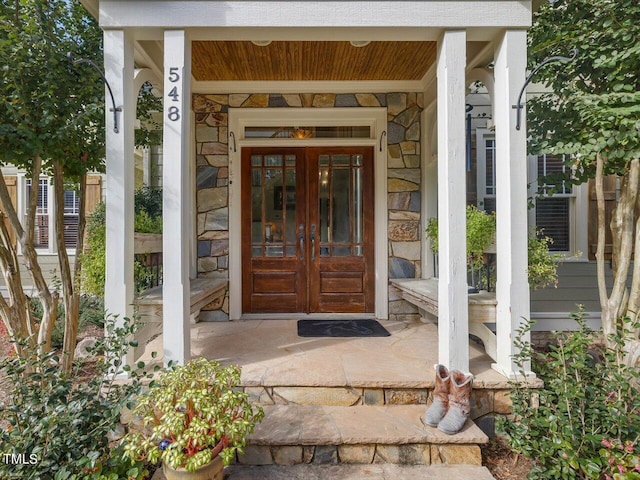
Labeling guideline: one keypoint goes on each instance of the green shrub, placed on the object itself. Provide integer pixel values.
(94, 258)
(60, 424)
(147, 219)
(590, 398)
(91, 313)
(149, 200)
(144, 223)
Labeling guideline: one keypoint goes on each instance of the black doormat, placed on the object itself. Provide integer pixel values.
(363, 327)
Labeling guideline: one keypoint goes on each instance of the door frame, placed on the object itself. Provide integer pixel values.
(374, 117)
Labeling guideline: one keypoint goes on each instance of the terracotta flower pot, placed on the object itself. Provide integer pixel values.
(210, 471)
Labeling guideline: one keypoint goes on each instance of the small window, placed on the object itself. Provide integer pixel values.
(308, 132)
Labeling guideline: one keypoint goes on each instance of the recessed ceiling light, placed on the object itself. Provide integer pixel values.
(261, 43)
(360, 43)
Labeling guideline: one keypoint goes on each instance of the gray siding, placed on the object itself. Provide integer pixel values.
(50, 270)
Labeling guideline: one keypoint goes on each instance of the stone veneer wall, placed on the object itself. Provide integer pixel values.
(403, 182)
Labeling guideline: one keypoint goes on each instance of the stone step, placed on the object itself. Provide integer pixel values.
(293, 434)
(357, 472)
(483, 400)
(351, 472)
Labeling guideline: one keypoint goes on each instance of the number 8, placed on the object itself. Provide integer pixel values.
(174, 114)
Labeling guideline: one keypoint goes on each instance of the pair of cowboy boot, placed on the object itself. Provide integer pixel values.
(451, 401)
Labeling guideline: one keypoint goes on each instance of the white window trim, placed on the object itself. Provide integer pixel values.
(578, 208)
(375, 117)
(578, 214)
(481, 165)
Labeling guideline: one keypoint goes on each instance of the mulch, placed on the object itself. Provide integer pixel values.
(503, 463)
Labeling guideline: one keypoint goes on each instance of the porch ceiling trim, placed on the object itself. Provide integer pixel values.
(195, 13)
(308, 86)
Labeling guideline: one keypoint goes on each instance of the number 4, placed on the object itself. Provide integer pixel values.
(174, 94)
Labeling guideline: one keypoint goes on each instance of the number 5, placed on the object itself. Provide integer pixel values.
(174, 76)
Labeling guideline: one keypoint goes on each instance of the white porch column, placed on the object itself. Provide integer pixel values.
(118, 64)
(512, 286)
(453, 317)
(175, 201)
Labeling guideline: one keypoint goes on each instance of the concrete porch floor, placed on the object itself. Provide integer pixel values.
(271, 353)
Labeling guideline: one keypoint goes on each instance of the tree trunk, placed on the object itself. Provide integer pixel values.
(24, 236)
(621, 302)
(70, 295)
(15, 311)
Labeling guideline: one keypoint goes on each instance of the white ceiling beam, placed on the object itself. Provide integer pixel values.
(434, 14)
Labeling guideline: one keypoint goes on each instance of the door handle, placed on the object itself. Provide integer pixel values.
(313, 241)
(301, 239)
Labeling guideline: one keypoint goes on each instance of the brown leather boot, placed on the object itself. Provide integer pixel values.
(438, 409)
(459, 403)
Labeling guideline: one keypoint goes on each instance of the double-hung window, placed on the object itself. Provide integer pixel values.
(44, 229)
(559, 209)
(555, 203)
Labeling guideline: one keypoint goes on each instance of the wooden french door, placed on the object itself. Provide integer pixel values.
(307, 230)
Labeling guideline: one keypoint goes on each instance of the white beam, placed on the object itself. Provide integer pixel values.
(453, 316)
(175, 197)
(512, 287)
(118, 63)
(239, 13)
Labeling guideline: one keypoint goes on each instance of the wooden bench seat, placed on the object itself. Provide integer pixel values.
(423, 293)
(149, 307)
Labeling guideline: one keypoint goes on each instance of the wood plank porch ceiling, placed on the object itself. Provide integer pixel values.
(298, 60)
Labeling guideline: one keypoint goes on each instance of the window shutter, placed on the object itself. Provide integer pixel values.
(609, 186)
(93, 193)
(12, 187)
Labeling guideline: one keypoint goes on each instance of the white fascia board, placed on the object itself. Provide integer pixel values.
(212, 14)
(307, 87)
(317, 34)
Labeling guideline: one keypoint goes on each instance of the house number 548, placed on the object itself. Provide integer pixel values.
(174, 77)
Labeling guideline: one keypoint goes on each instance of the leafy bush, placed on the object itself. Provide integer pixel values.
(60, 424)
(91, 313)
(589, 396)
(149, 200)
(94, 257)
(542, 269)
(147, 219)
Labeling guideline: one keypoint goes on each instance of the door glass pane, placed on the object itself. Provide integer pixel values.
(256, 160)
(256, 251)
(289, 207)
(341, 251)
(356, 160)
(340, 160)
(290, 160)
(323, 194)
(256, 207)
(274, 198)
(356, 188)
(272, 160)
(340, 205)
(323, 160)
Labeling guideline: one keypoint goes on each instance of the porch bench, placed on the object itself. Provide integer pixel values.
(149, 307)
(423, 293)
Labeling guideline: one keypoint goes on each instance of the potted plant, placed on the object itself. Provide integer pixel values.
(195, 419)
